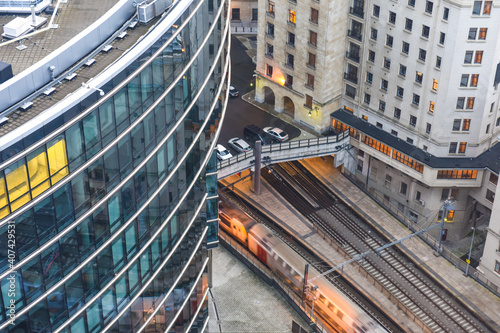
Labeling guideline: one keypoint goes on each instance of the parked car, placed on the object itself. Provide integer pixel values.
(240, 145)
(276, 133)
(254, 133)
(233, 92)
(222, 153)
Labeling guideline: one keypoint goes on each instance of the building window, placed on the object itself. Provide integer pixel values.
(431, 106)
(235, 14)
(350, 91)
(470, 103)
(497, 266)
(388, 180)
(411, 3)
(403, 188)
(406, 48)
(395, 133)
(456, 125)
(289, 60)
(492, 107)
(446, 13)
(472, 33)
(292, 17)
(400, 92)
(384, 84)
(428, 128)
(453, 148)
(498, 122)
(466, 125)
(464, 81)
(449, 193)
(415, 101)
(408, 24)
(422, 54)
(376, 11)
(468, 57)
(413, 120)
(457, 174)
(270, 50)
(270, 8)
(473, 80)
(425, 31)
(360, 165)
(428, 7)
(392, 17)
(291, 39)
(419, 77)
(476, 9)
(479, 57)
(397, 113)
(438, 62)
(289, 81)
(269, 70)
(462, 147)
(387, 63)
(487, 7)
(460, 103)
(434, 84)
(367, 98)
(371, 56)
(365, 118)
(487, 128)
(270, 29)
(478, 5)
(369, 77)
(312, 60)
(309, 101)
(442, 36)
(381, 106)
(313, 37)
(314, 15)
(402, 70)
(490, 195)
(379, 125)
(373, 34)
(409, 140)
(255, 14)
(493, 178)
(310, 81)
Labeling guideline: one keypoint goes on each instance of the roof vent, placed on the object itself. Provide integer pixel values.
(149, 9)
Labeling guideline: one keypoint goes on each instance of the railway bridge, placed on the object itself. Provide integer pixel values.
(337, 145)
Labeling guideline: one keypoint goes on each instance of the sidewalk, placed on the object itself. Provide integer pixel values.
(473, 294)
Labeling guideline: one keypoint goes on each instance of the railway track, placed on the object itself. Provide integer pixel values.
(421, 294)
(313, 259)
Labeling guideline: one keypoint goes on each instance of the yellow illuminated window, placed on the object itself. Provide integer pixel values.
(470, 103)
(462, 147)
(20, 202)
(479, 57)
(482, 33)
(292, 17)
(434, 84)
(40, 189)
(431, 106)
(474, 79)
(57, 157)
(37, 168)
(17, 181)
(3, 193)
(60, 175)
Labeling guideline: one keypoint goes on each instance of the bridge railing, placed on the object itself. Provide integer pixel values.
(289, 145)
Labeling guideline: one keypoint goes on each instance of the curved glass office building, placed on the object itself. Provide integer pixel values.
(108, 185)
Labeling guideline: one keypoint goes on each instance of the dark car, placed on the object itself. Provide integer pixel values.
(233, 92)
(254, 133)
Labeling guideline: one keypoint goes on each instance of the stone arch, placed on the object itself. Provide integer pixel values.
(288, 106)
(269, 97)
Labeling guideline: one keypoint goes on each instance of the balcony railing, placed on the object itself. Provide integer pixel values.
(351, 77)
(357, 12)
(352, 56)
(353, 34)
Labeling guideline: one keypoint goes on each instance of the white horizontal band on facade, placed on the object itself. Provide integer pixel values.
(115, 141)
(131, 175)
(117, 233)
(181, 308)
(198, 310)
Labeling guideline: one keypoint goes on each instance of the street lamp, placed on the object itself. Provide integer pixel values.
(447, 206)
(470, 251)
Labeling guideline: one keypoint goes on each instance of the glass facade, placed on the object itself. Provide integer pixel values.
(114, 214)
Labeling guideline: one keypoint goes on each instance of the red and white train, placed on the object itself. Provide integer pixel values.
(331, 305)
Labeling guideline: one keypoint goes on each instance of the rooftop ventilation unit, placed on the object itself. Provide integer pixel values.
(149, 9)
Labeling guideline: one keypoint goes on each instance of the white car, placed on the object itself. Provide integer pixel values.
(222, 152)
(239, 145)
(277, 134)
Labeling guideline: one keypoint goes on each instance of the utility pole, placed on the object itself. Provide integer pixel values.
(470, 251)
(256, 179)
(447, 206)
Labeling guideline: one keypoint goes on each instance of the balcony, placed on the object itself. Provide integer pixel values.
(357, 12)
(352, 56)
(351, 77)
(354, 34)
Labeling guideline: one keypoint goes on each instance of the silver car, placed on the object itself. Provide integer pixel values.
(240, 145)
(277, 134)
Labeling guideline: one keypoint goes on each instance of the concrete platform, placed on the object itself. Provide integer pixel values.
(244, 303)
(473, 294)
